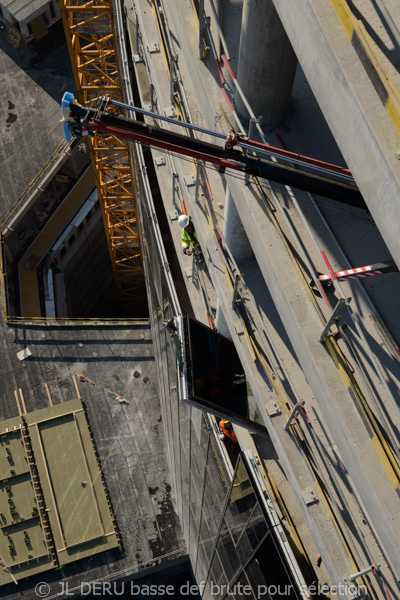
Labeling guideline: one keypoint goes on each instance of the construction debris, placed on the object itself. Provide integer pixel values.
(121, 400)
(23, 354)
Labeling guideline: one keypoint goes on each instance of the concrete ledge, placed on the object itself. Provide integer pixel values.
(358, 120)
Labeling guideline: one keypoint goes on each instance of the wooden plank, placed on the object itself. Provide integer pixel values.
(39, 438)
(76, 386)
(48, 394)
(48, 419)
(17, 399)
(89, 475)
(22, 402)
(7, 569)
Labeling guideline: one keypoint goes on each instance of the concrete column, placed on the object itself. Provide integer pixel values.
(220, 322)
(234, 232)
(267, 63)
(239, 245)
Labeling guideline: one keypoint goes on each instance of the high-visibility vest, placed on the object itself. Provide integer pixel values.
(188, 239)
(228, 431)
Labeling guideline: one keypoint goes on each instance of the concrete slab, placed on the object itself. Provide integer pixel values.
(355, 114)
(30, 110)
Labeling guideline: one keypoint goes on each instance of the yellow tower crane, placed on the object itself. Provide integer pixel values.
(90, 32)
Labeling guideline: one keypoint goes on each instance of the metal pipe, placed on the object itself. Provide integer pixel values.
(207, 28)
(259, 151)
(363, 572)
(243, 97)
(389, 21)
(171, 77)
(149, 113)
(201, 21)
(294, 410)
(137, 35)
(206, 300)
(221, 35)
(196, 193)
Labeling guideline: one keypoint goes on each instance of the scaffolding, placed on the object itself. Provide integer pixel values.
(91, 39)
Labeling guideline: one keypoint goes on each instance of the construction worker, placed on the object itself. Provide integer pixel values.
(190, 241)
(227, 430)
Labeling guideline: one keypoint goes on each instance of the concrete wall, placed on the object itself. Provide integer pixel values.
(267, 63)
(351, 106)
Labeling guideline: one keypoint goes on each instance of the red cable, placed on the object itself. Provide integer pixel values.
(228, 66)
(221, 76)
(227, 99)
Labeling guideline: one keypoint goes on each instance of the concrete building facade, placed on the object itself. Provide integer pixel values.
(236, 546)
(31, 20)
(199, 463)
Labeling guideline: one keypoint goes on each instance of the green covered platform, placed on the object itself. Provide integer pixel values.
(54, 507)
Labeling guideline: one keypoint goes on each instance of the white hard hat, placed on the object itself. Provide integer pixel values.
(183, 221)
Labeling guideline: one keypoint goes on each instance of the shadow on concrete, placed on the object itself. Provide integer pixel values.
(45, 62)
(393, 56)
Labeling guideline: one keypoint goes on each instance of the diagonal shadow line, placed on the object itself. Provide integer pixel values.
(86, 342)
(390, 55)
(96, 359)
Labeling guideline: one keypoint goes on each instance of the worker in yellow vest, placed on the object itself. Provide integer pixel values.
(190, 241)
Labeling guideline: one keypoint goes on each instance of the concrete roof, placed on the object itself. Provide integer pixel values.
(33, 114)
(119, 360)
(21, 10)
(129, 440)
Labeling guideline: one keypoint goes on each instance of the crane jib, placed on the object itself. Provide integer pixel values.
(94, 119)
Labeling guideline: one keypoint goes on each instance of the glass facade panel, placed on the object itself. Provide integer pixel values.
(206, 546)
(256, 528)
(241, 502)
(227, 553)
(216, 381)
(243, 589)
(255, 576)
(224, 525)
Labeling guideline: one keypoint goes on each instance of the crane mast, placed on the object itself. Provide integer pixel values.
(90, 34)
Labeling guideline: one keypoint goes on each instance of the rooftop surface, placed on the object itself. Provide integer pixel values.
(53, 504)
(128, 438)
(20, 9)
(30, 127)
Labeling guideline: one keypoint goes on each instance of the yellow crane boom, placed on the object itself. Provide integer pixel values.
(90, 33)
